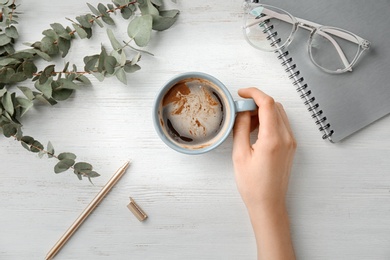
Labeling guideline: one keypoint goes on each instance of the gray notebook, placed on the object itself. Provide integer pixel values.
(342, 104)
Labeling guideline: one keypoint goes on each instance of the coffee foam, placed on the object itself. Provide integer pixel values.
(193, 112)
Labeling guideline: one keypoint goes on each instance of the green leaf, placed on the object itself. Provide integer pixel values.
(102, 57)
(51, 34)
(7, 61)
(26, 104)
(50, 150)
(140, 29)
(7, 103)
(80, 31)
(62, 94)
(93, 9)
(11, 32)
(108, 20)
(98, 76)
(36, 147)
(27, 92)
(26, 141)
(131, 68)
(60, 30)
(83, 79)
(93, 174)
(2, 92)
(4, 39)
(157, 2)
(67, 84)
(49, 70)
(147, 7)
(63, 156)
(121, 76)
(84, 22)
(90, 62)
(64, 46)
(48, 46)
(161, 23)
(63, 165)
(102, 9)
(29, 68)
(82, 168)
(9, 130)
(114, 42)
(45, 88)
(126, 13)
(43, 55)
(109, 64)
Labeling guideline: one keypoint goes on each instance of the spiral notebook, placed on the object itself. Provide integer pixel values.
(342, 104)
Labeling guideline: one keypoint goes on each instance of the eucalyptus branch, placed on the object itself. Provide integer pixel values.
(65, 160)
(51, 86)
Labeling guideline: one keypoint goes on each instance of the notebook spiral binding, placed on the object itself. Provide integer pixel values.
(298, 81)
(305, 93)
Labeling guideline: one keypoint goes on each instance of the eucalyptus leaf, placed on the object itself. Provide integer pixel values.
(66, 155)
(60, 30)
(93, 9)
(43, 55)
(7, 61)
(161, 23)
(121, 76)
(83, 79)
(9, 130)
(61, 94)
(84, 22)
(4, 39)
(82, 168)
(80, 31)
(98, 76)
(93, 174)
(50, 150)
(29, 68)
(131, 68)
(102, 9)
(26, 104)
(44, 88)
(108, 20)
(64, 46)
(63, 165)
(7, 103)
(36, 147)
(67, 84)
(48, 46)
(147, 7)
(27, 92)
(114, 42)
(11, 32)
(140, 29)
(126, 13)
(109, 64)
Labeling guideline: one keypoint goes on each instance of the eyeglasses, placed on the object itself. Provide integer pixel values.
(332, 49)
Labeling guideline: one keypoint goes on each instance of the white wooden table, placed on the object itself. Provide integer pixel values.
(339, 194)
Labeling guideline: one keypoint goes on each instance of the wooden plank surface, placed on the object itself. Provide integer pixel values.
(338, 198)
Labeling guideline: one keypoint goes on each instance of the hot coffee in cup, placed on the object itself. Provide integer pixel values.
(194, 112)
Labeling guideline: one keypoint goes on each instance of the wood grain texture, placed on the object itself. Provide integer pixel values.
(339, 194)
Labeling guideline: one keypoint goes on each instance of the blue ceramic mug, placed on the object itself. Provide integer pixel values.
(194, 112)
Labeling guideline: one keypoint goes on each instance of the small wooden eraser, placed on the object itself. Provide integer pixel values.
(136, 210)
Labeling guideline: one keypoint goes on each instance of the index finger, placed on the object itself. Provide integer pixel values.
(268, 116)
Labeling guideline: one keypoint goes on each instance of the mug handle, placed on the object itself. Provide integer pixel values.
(245, 105)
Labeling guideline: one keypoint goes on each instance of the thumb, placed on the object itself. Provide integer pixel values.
(241, 135)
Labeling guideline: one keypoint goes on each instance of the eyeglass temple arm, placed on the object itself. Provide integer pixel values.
(311, 26)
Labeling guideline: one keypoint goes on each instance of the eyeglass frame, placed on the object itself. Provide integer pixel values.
(314, 28)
